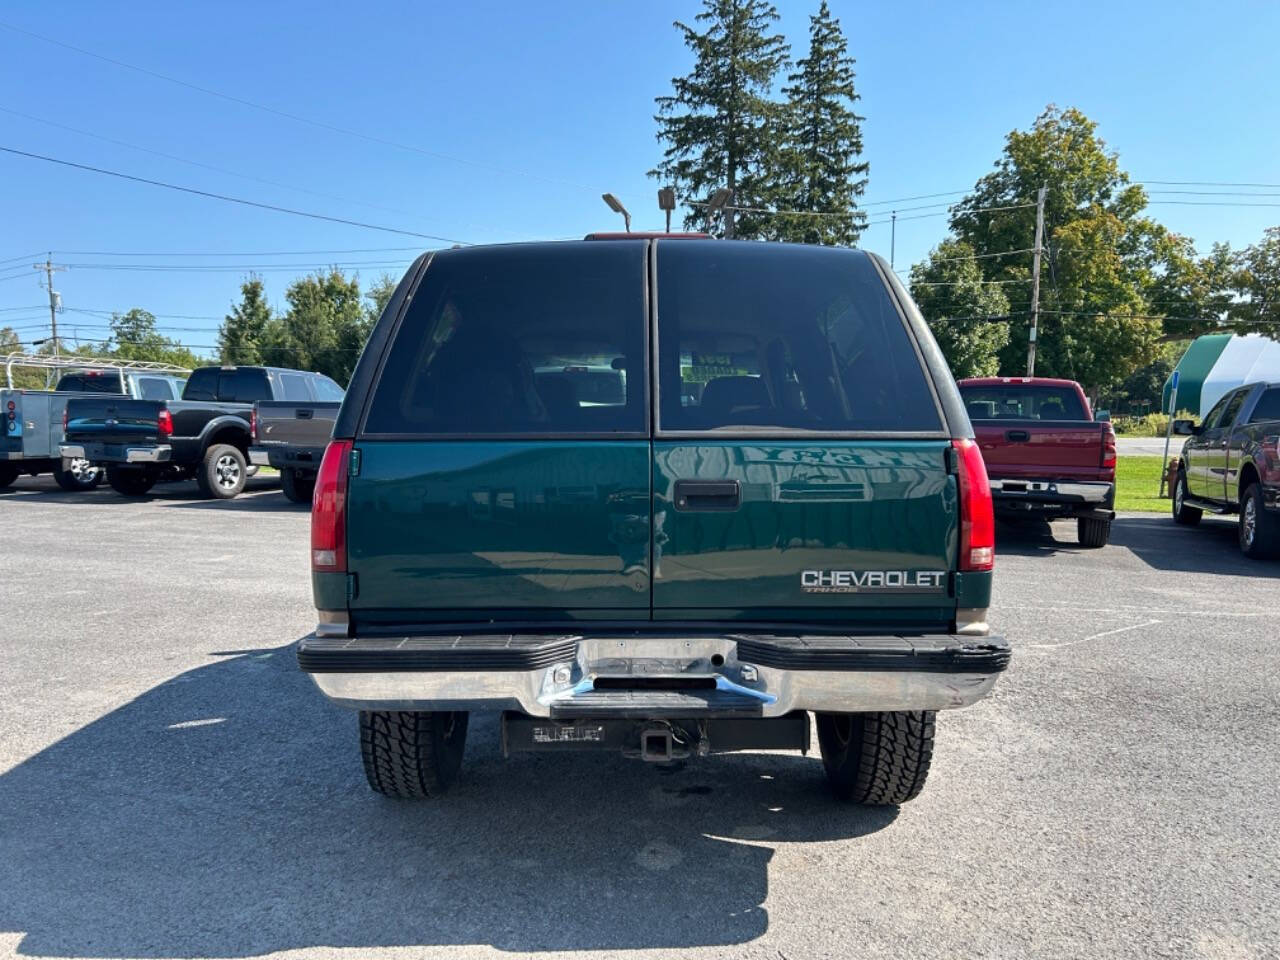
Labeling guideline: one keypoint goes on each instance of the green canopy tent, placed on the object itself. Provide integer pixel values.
(1218, 362)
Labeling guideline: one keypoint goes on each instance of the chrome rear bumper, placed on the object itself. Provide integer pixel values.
(570, 677)
(101, 452)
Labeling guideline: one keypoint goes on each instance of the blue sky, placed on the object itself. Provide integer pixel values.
(542, 107)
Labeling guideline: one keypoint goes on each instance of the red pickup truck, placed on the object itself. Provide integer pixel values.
(1046, 454)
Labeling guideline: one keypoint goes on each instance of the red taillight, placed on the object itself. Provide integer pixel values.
(1109, 449)
(253, 425)
(329, 510)
(977, 518)
(164, 424)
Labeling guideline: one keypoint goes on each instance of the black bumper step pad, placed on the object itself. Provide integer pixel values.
(433, 654)
(941, 654)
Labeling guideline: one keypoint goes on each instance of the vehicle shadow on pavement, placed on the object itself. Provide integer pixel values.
(1212, 546)
(224, 813)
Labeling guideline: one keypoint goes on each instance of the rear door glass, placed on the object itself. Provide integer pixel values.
(1233, 409)
(326, 390)
(154, 388)
(1017, 401)
(545, 340)
(202, 384)
(243, 386)
(1268, 407)
(776, 338)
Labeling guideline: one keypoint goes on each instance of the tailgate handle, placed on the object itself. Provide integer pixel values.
(1017, 436)
(708, 495)
(303, 414)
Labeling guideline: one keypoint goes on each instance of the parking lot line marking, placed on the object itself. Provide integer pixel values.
(1095, 636)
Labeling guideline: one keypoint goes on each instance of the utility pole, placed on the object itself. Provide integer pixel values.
(50, 269)
(893, 236)
(1035, 283)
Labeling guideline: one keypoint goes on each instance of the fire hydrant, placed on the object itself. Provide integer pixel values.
(1171, 477)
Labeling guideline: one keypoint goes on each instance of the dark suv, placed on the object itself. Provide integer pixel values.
(658, 496)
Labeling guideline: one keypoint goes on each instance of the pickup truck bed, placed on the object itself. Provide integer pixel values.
(291, 436)
(1046, 456)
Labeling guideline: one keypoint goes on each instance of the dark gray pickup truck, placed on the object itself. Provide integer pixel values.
(1231, 464)
(204, 435)
(291, 435)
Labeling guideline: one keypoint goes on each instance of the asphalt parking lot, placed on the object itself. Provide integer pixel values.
(172, 786)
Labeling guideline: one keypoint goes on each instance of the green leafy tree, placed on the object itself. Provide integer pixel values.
(1108, 269)
(820, 170)
(324, 328)
(244, 330)
(1257, 286)
(379, 294)
(719, 126)
(968, 316)
(134, 337)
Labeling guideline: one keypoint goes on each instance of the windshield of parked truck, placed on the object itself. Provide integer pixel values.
(1022, 401)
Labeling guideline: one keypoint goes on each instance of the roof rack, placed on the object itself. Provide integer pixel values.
(65, 363)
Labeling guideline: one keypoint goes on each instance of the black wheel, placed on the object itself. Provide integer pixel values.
(412, 755)
(1259, 528)
(876, 758)
(131, 483)
(1182, 513)
(79, 475)
(1093, 532)
(297, 486)
(221, 474)
(8, 474)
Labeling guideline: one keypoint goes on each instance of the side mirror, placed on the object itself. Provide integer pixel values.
(1102, 416)
(1184, 428)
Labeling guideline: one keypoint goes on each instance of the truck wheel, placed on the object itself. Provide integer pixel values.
(1259, 528)
(8, 474)
(876, 758)
(79, 475)
(297, 486)
(412, 755)
(1182, 513)
(221, 474)
(131, 483)
(1093, 532)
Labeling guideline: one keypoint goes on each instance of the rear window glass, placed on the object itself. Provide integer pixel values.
(1268, 407)
(90, 383)
(1017, 401)
(155, 388)
(545, 339)
(762, 337)
(294, 387)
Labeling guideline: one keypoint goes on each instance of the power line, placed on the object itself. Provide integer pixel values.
(240, 268)
(1208, 183)
(1215, 193)
(320, 124)
(26, 256)
(224, 197)
(1212, 203)
(259, 253)
(204, 166)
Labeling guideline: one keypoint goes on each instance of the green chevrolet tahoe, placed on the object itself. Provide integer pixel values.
(657, 495)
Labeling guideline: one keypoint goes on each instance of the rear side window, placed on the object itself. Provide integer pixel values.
(1233, 409)
(1017, 401)
(326, 389)
(154, 388)
(294, 387)
(770, 337)
(1268, 407)
(520, 340)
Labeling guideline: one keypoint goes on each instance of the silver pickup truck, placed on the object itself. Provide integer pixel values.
(291, 435)
(34, 419)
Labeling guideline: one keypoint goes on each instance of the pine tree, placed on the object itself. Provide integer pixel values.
(719, 125)
(242, 334)
(820, 170)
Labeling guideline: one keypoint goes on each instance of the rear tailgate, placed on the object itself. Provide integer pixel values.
(1066, 450)
(295, 423)
(113, 420)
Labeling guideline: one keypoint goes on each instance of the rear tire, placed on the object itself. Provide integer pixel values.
(297, 486)
(1092, 532)
(876, 758)
(8, 474)
(409, 755)
(1182, 513)
(81, 476)
(131, 483)
(1258, 529)
(221, 474)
